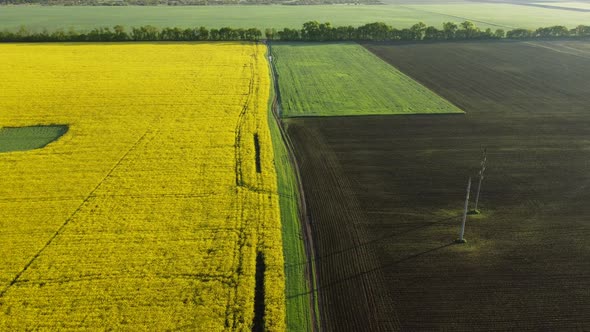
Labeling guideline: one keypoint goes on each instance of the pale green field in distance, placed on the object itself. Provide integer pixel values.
(506, 15)
(336, 79)
(400, 16)
(574, 5)
(38, 17)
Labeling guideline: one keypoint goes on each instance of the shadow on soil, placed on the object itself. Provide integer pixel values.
(368, 243)
(382, 267)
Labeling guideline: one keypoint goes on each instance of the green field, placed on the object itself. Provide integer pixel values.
(37, 17)
(85, 18)
(506, 15)
(29, 138)
(573, 5)
(336, 79)
(296, 287)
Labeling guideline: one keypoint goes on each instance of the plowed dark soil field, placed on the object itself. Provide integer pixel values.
(385, 194)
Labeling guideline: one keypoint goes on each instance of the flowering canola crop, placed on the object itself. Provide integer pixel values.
(150, 212)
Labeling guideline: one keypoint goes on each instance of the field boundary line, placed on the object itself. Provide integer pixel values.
(302, 206)
(537, 44)
(459, 17)
(463, 112)
(70, 218)
(538, 5)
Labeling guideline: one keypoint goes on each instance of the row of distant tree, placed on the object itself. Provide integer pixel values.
(144, 33)
(311, 31)
(314, 31)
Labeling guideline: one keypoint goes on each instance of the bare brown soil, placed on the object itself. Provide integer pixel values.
(385, 194)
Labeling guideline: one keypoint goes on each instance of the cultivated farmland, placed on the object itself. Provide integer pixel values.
(346, 79)
(385, 195)
(298, 277)
(503, 15)
(584, 6)
(54, 17)
(485, 15)
(158, 209)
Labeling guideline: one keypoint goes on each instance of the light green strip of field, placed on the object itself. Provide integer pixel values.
(29, 138)
(84, 18)
(400, 16)
(573, 5)
(297, 291)
(296, 287)
(505, 16)
(341, 79)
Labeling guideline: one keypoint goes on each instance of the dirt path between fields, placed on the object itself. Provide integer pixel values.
(303, 211)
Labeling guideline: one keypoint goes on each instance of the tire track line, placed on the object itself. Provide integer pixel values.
(342, 228)
(242, 190)
(459, 17)
(71, 217)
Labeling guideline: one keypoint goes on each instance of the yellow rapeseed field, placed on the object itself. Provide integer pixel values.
(149, 213)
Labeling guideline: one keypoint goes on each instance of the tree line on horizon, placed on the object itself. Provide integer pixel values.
(311, 31)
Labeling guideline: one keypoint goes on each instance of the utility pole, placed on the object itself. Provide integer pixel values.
(461, 239)
(481, 171)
